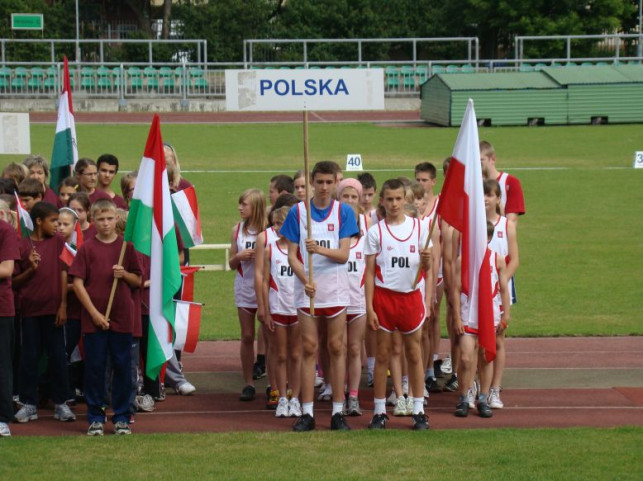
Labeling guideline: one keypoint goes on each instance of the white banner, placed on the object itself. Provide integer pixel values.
(315, 89)
(14, 134)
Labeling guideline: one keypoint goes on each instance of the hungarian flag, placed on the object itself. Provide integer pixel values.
(187, 288)
(70, 248)
(25, 225)
(462, 206)
(186, 216)
(65, 154)
(150, 227)
(187, 323)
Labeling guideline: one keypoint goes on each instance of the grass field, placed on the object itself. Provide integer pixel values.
(509, 454)
(580, 241)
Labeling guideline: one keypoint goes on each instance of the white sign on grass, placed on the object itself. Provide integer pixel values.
(14, 134)
(316, 89)
(354, 162)
(638, 160)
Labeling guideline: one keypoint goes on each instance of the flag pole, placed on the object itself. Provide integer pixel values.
(307, 203)
(115, 283)
(426, 246)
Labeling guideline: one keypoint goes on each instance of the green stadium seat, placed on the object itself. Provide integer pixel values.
(18, 84)
(104, 83)
(4, 84)
(602, 64)
(51, 81)
(36, 76)
(408, 76)
(525, 67)
(151, 78)
(5, 73)
(200, 84)
(103, 72)
(587, 64)
(315, 67)
(422, 73)
(195, 72)
(167, 85)
(467, 68)
(436, 69)
(20, 72)
(453, 69)
(87, 83)
(539, 66)
(165, 72)
(134, 78)
(571, 64)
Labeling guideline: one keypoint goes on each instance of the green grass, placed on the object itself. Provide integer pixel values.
(580, 241)
(511, 454)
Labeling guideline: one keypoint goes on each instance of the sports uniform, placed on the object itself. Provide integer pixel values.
(397, 258)
(244, 288)
(281, 291)
(356, 267)
(512, 199)
(500, 243)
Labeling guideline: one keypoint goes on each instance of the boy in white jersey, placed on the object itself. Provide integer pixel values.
(394, 251)
(466, 327)
(333, 225)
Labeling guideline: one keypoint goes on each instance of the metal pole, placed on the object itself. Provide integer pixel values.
(77, 34)
(149, 48)
(359, 52)
(305, 53)
(640, 45)
(569, 48)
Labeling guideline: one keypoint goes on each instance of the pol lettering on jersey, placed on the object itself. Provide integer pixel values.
(298, 90)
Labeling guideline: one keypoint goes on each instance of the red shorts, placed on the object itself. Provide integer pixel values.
(402, 311)
(351, 317)
(284, 320)
(249, 310)
(329, 312)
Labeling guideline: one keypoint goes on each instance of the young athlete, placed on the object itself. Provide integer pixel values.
(80, 203)
(280, 184)
(107, 165)
(350, 192)
(41, 281)
(94, 270)
(299, 183)
(9, 255)
(68, 187)
(505, 243)
(333, 225)
(466, 327)
(512, 203)
(252, 207)
(394, 252)
(87, 174)
(177, 182)
(281, 319)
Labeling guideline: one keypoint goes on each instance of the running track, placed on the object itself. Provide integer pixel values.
(549, 382)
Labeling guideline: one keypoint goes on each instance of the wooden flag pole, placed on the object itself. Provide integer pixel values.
(115, 283)
(307, 203)
(426, 245)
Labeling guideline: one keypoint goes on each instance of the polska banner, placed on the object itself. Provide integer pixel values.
(316, 89)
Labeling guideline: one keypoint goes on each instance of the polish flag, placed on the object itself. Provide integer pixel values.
(187, 322)
(462, 206)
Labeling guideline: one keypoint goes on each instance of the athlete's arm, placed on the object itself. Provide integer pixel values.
(504, 293)
(512, 242)
(369, 290)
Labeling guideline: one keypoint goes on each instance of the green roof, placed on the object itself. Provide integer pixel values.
(497, 81)
(595, 74)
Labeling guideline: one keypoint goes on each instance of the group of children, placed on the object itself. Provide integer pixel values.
(60, 258)
(342, 281)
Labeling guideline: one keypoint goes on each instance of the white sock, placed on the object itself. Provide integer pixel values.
(435, 357)
(418, 405)
(307, 408)
(370, 363)
(379, 406)
(338, 407)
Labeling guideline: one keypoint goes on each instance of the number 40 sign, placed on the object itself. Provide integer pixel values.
(354, 162)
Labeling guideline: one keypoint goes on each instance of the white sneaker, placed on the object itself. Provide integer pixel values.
(294, 408)
(63, 413)
(26, 413)
(282, 409)
(145, 403)
(400, 407)
(318, 380)
(494, 399)
(409, 406)
(391, 399)
(4, 430)
(446, 367)
(326, 394)
(185, 389)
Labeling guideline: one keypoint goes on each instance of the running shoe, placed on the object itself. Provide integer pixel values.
(273, 400)
(5, 432)
(432, 385)
(319, 381)
(294, 408)
(185, 389)
(420, 422)
(95, 429)
(446, 366)
(338, 423)
(452, 384)
(409, 406)
(282, 409)
(258, 371)
(26, 413)
(378, 422)
(247, 394)
(462, 408)
(400, 407)
(326, 394)
(122, 428)
(484, 411)
(352, 407)
(63, 413)
(494, 399)
(304, 423)
(145, 403)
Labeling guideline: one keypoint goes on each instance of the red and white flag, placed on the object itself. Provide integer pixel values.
(187, 322)
(462, 206)
(69, 250)
(186, 216)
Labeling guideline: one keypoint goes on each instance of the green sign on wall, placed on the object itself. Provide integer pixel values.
(27, 21)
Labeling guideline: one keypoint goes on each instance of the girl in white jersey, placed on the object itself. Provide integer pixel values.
(394, 252)
(252, 208)
(348, 191)
(281, 320)
(505, 243)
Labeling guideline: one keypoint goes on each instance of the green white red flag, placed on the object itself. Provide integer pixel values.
(150, 227)
(187, 324)
(65, 153)
(25, 224)
(186, 216)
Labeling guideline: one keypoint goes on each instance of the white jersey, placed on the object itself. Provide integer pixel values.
(373, 215)
(502, 180)
(356, 267)
(397, 253)
(271, 236)
(426, 221)
(331, 278)
(244, 281)
(500, 243)
(495, 293)
(281, 293)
